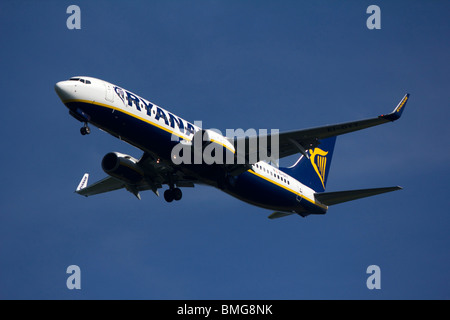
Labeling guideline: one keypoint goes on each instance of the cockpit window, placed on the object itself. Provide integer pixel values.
(80, 79)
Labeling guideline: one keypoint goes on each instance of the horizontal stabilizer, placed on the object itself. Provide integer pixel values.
(331, 198)
(279, 214)
(105, 185)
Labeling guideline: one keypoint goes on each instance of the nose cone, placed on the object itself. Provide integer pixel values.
(65, 90)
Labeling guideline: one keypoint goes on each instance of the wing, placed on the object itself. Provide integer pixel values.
(156, 173)
(104, 185)
(299, 141)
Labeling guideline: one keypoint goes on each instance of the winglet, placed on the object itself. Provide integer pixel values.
(396, 114)
(83, 182)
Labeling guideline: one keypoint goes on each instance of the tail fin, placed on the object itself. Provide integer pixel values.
(313, 172)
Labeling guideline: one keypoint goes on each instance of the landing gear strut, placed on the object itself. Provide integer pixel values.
(85, 129)
(172, 194)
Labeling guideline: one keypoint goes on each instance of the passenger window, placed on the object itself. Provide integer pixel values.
(88, 82)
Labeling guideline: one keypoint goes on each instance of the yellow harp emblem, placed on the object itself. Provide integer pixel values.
(319, 162)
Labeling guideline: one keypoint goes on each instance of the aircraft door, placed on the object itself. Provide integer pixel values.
(299, 197)
(109, 93)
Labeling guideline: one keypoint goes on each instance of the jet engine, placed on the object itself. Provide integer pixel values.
(122, 167)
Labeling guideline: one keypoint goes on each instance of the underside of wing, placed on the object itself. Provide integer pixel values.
(148, 173)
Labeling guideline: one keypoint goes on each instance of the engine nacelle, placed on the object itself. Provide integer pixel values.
(122, 167)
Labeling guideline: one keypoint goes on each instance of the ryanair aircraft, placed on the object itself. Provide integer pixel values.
(180, 154)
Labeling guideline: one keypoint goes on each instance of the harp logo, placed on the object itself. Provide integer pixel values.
(318, 159)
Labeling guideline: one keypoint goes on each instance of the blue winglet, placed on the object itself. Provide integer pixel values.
(396, 114)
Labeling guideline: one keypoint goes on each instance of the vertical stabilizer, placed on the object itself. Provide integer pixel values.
(313, 172)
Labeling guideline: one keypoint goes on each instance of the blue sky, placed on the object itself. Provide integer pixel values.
(231, 64)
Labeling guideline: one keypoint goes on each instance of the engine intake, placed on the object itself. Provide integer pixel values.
(122, 167)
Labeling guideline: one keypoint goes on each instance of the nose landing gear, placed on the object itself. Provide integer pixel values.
(85, 129)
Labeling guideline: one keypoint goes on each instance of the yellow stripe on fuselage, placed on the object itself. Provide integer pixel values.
(130, 114)
(142, 119)
(215, 141)
(288, 189)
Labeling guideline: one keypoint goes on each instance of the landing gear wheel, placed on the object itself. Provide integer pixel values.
(85, 130)
(173, 194)
(168, 195)
(177, 194)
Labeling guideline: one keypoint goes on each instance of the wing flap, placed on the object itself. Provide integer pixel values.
(332, 198)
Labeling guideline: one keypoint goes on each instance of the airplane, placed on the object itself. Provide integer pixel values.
(298, 189)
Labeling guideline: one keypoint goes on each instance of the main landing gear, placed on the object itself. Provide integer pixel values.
(85, 129)
(172, 194)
